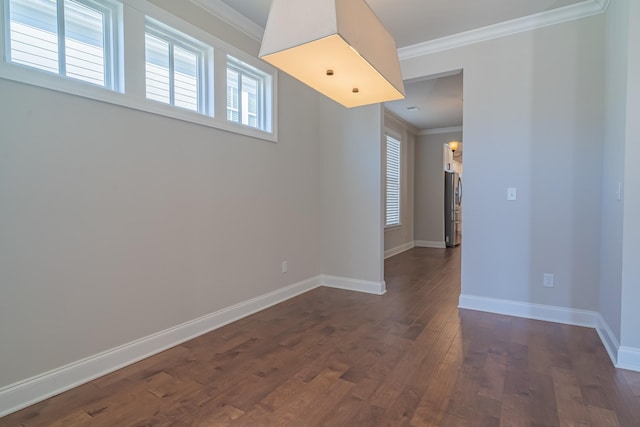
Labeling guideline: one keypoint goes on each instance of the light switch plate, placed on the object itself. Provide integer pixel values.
(548, 280)
(512, 193)
(619, 192)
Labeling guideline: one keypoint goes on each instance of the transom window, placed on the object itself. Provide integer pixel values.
(72, 38)
(246, 94)
(81, 47)
(174, 68)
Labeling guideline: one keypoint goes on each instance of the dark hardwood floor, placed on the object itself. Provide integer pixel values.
(337, 358)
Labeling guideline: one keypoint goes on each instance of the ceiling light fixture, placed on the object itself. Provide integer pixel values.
(337, 47)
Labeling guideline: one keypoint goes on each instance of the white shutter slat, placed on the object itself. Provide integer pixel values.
(75, 48)
(34, 34)
(84, 43)
(173, 74)
(185, 78)
(392, 196)
(157, 69)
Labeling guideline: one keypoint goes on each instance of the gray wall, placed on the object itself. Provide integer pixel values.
(116, 224)
(351, 198)
(429, 186)
(195, 15)
(617, 28)
(630, 334)
(533, 120)
(396, 237)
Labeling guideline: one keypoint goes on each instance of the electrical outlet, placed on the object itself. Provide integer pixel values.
(548, 280)
(285, 267)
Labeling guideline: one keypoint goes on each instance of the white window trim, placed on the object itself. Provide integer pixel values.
(398, 137)
(134, 84)
(112, 44)
(264, 92)
(205, 62)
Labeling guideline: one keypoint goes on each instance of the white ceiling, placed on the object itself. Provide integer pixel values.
(416, 21)
(438, 102)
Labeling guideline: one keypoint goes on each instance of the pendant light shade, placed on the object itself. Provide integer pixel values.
(338, 47)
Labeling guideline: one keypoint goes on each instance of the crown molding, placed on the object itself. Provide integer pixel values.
(555, 16)
(514, 26)
(438, 131)
(232, 17)
(604, 4)
(402, 122)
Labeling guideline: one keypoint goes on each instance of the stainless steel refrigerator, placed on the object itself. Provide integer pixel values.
(452, 208)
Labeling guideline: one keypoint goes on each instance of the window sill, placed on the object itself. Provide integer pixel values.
(27, 75)
(392, 227)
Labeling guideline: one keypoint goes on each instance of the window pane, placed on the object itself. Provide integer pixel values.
(233, 97)
(247, 94)
(186, 78)
(249, 101)
(84, 43)
(33, 33)
(157, 69)
(393, 182)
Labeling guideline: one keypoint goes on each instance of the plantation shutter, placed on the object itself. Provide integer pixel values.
(393, 182)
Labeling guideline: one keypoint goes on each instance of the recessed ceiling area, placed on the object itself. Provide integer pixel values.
(437, 101)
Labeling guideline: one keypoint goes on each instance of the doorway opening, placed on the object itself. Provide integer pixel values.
(423, 172)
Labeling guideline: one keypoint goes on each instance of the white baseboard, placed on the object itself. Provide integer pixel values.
(529, 311)
(629, 358)
(398, 250)
(622, 357)
(27, 392)
(429, 244)
(32, 390)
(608, 338)
(376, 288)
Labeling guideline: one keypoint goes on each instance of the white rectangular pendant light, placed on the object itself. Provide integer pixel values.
(338, 47)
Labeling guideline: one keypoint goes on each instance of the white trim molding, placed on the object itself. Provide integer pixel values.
(438, 131)
(369, 287)
(232, 17)
(398, 250)
(27, 392)
(629, 358)
(608, 338)
(554, 16)
(390, 115)
(132, 94)
(526, 310)
(622, 357)
(514, 26)
(40, 387)
(430, 244)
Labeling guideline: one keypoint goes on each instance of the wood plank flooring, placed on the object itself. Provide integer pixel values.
(337, 358)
